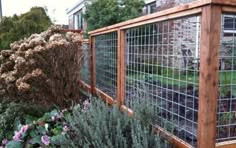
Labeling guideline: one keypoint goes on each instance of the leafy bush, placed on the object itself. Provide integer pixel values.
(13, 114)
(43, 68)
(20, 26)
(49, 130)
(94, 124)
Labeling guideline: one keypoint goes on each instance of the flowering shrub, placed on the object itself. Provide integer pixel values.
(96, 125)
(49, 130)
(14, 113)
(43, 68)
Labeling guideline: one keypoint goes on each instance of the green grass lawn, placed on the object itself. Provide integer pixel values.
(178, 79)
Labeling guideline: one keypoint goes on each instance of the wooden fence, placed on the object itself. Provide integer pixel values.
(182, 59)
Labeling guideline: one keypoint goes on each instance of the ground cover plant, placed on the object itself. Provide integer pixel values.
(89, 124)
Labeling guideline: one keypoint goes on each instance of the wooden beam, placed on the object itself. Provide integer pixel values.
(185, 8)
(86, 41)
(224, 2)
(177, 142)
(209, 75)
(121, 67)
(228, 9)
(92, 64)
(127, 110)
(105, 97)
(166, 17)
(84, 86)
(104, 32)
(227, 144)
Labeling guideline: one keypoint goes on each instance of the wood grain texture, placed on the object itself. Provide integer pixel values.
(228, 144)
(105, 97)
(229, 9)
(190, 12)
(84, 86)
(92, 64)
(209, 75)
(224, 2)
(121, 68)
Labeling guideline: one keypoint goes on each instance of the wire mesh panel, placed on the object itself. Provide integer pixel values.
(162, 65)
(226, 125)
(85, 71)
(106, 63)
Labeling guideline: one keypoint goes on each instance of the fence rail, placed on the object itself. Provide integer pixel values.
(183, 60)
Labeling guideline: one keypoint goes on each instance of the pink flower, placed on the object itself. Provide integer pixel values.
(17, 136)
(24, 128)
(86, 103)
(66, 128)
(45, 139)
(4, 141)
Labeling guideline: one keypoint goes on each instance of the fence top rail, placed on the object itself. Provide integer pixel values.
(177, 9)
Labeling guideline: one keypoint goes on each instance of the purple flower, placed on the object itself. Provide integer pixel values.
(17, 136)
(24, 129)
(86, 103)
(4, 141)
(45, 139)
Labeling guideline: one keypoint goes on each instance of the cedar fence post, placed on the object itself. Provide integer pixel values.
(93, 64)
(121, 67)
(209, 75)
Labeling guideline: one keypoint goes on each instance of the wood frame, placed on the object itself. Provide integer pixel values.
(93, 65)
(121, 67)
(227, 144)
(85, 86)
(105, 97)
(211, 11)
(209, 75)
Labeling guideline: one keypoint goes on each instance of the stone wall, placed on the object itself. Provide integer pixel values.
(183, 35)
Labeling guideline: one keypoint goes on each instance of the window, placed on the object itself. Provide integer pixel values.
(153, 7)
(80, 21)
(150, 8)
(229, 24)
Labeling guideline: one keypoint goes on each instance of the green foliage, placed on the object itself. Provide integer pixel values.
(13, 114)
(101, 13)
(18, 27)
(99, 125)
(49, 130)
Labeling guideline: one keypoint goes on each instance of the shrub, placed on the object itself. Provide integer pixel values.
(43, 68)
(49, 130)
(94, 124)
(13, 114)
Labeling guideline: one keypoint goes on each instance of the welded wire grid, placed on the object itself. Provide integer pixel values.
(226, 125)
(85, 71)
(162, 66)
(106, 63)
